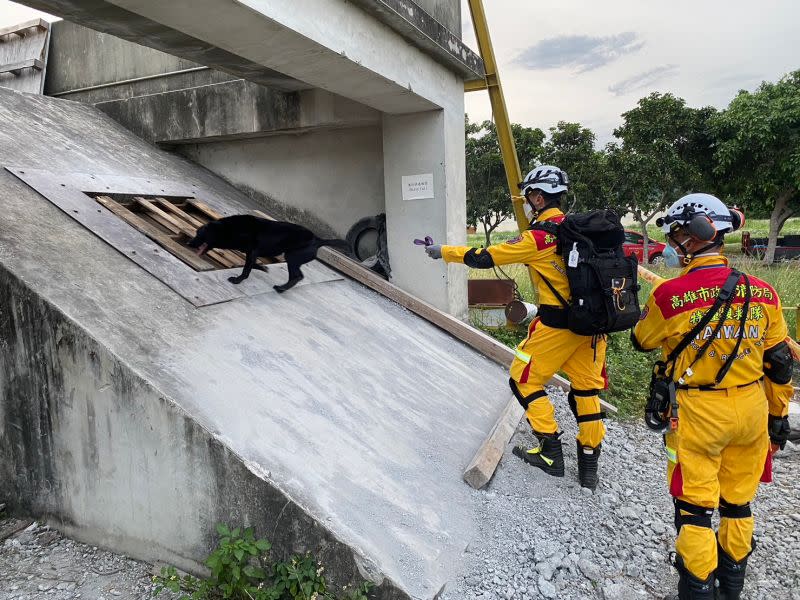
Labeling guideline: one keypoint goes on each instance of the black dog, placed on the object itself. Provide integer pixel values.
(261, 237)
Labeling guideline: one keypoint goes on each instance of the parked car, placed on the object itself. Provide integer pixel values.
(787, 248)
(634, 246)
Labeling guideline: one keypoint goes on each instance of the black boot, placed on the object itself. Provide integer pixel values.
(588, 458)
(730, 575)
(548, 456)
(689, 586)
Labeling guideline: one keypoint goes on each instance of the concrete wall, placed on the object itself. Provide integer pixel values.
(322, 178)
(330, 394)
(109, 458)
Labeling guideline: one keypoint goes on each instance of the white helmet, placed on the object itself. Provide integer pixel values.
(703, 216)
(546, 178)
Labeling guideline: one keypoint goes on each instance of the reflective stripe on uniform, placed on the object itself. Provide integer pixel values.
(672, 454)
(524, 357)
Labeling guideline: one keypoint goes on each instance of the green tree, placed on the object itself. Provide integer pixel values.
(488, 199)
(664, 154)
(758, 152)
(571, 148)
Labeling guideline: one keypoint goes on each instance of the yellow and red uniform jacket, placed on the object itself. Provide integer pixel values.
(676, 305)
(534, 248)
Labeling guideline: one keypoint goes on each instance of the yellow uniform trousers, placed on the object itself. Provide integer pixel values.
(547, 350)
(716, 457)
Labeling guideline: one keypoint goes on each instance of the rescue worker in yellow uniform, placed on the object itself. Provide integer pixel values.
(732, 385)
(549, 346)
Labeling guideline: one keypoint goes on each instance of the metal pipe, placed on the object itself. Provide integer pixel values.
(134, 80)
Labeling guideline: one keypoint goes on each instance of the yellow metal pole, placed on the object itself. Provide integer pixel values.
(501, 120)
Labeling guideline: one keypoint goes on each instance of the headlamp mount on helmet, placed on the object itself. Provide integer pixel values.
(553, 178)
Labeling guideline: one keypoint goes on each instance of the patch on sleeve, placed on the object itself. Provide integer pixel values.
(645, 310)
(543, 239)
(516, 240)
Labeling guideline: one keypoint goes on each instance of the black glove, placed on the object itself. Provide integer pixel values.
(779, 430)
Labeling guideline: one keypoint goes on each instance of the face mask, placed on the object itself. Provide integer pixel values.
(529, 212)
(670, 256)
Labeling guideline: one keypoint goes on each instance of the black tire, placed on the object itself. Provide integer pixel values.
(367, 239)
(655, 258)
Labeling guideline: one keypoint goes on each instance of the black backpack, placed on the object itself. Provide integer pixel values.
(603, 281)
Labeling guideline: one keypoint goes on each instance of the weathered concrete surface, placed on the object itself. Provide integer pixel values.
(217, 111)
(331, 177)
(83, 58)
(328, 417)
(24, 41)
(329, 44)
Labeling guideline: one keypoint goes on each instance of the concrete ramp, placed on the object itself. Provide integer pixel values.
(330, 418)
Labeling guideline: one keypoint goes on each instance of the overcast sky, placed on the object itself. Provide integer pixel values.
(589, 61)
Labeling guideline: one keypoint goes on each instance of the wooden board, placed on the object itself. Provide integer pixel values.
(184, 254)
(482, 466)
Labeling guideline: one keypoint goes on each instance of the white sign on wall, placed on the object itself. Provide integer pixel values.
(418, 187)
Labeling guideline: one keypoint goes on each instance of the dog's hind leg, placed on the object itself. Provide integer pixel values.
(249, 262)
(294, 259)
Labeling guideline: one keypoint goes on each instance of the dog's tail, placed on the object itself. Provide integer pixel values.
(336, 243)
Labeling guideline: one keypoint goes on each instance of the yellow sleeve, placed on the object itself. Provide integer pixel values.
(522, 249)
(778, 394)
(651, 330)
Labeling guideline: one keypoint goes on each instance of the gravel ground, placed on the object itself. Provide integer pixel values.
(545, 537)
(540, 537)
(40, 564)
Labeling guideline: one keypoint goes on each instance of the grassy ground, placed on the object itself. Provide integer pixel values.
(629, 371)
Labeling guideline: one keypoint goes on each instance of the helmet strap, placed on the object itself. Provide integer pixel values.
(689, 256)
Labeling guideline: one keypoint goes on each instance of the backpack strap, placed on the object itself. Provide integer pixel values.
(725, 297)
(551, 228)
(742, 323)
(547, 226)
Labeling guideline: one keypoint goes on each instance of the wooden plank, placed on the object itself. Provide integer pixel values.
(204, 208)
(172, 223)
(17, 67)
(20, 27)
(224, 257)
(483, 464)
(263, 215)
(179, 213)
(151, 231)
(189, 226)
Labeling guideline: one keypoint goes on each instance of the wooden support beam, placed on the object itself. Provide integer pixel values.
(483, 465)
(17, 67)
(21, 27)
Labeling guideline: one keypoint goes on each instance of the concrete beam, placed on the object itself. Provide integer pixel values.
(107, 18)
(429, 35)
(329, 44)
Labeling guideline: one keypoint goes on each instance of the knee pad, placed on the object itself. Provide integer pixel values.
(573, 405)
(525, 401)
(699, 516)
(734, 511)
